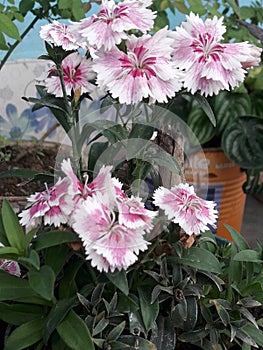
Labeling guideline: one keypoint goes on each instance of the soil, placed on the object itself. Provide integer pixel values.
(40, 157)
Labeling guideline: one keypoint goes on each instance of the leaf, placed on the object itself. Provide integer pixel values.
(162, 158)
(200, 258)
(237, 238)
(17, 289)
(255, 333)
(26, 335)
(53, 238)
(222, 313)
(56, 315)
(149, 311)
(13, 229)
(166, 336)
(248, 255)
(42, 282)
(68, 287)
(26, 6)
(18, 314)
(95, 152)
(3, 45)
(116, 331)
(131, 342)
(196, 6)
(228, 106)
(33, 260)
(3, 238)
(8, 27)
(77, 10)
(119, 279)
(242, 141)
(203, 131)
(75, 333)
(56, 257)
(205, 105)
(8, 253)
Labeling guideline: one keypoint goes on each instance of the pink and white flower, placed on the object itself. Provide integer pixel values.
(77, 74)
(184, 207)
(210, 65)
(145, 71)
(108, 244)
(54, 205)
(107, 28)
(59, 34)
(10, 266)
(133, 214)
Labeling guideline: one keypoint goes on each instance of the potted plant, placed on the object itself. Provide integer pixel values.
(115, 253)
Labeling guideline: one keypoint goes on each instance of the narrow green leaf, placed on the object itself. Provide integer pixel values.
(57, 315)
(119, 279)
(222, 313)
(149, 311)
(237, 238)
(53, 238)
(254, 333)
(25, 335)
(42, 282)
(128, 341)
(75, 333)
(18, 314)
(166, 337)
(116, 331)
(3, 238)
(13, 229)
(206, 107)
(8, 27)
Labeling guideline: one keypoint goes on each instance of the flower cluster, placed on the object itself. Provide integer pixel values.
(148, 66)
(112, 225)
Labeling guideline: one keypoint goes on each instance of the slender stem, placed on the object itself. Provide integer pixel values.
(12, 47)
(72, 118)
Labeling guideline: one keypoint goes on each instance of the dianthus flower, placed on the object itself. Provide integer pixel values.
(107, 28)
(145, 71)
(108, 244)
(210, 65)
(77, 74)
(53, 205)
(59, 34)
(185, 208)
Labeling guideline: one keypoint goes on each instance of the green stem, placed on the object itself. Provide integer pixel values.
(73, 120)
(12, 47)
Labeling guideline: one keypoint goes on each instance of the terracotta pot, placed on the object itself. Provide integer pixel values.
(219, 180)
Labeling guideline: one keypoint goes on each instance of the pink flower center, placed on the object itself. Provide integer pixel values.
(71, 74)
(137, 64)
(206, 46)
(108, 15)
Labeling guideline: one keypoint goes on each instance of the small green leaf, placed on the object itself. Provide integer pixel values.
(42, 282)
(26, 6)
(33, 260)
(149, 311)
(3, 45)
(8, 253)
(53, 238)
(237, 238)
(25, 335)
(203, 103)
(116, 331)
(8, 27)
(75, 333)
(57, 314)
(222, 313)
(200, 258)
(77, 10)
(119, 279)
(13, 229)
